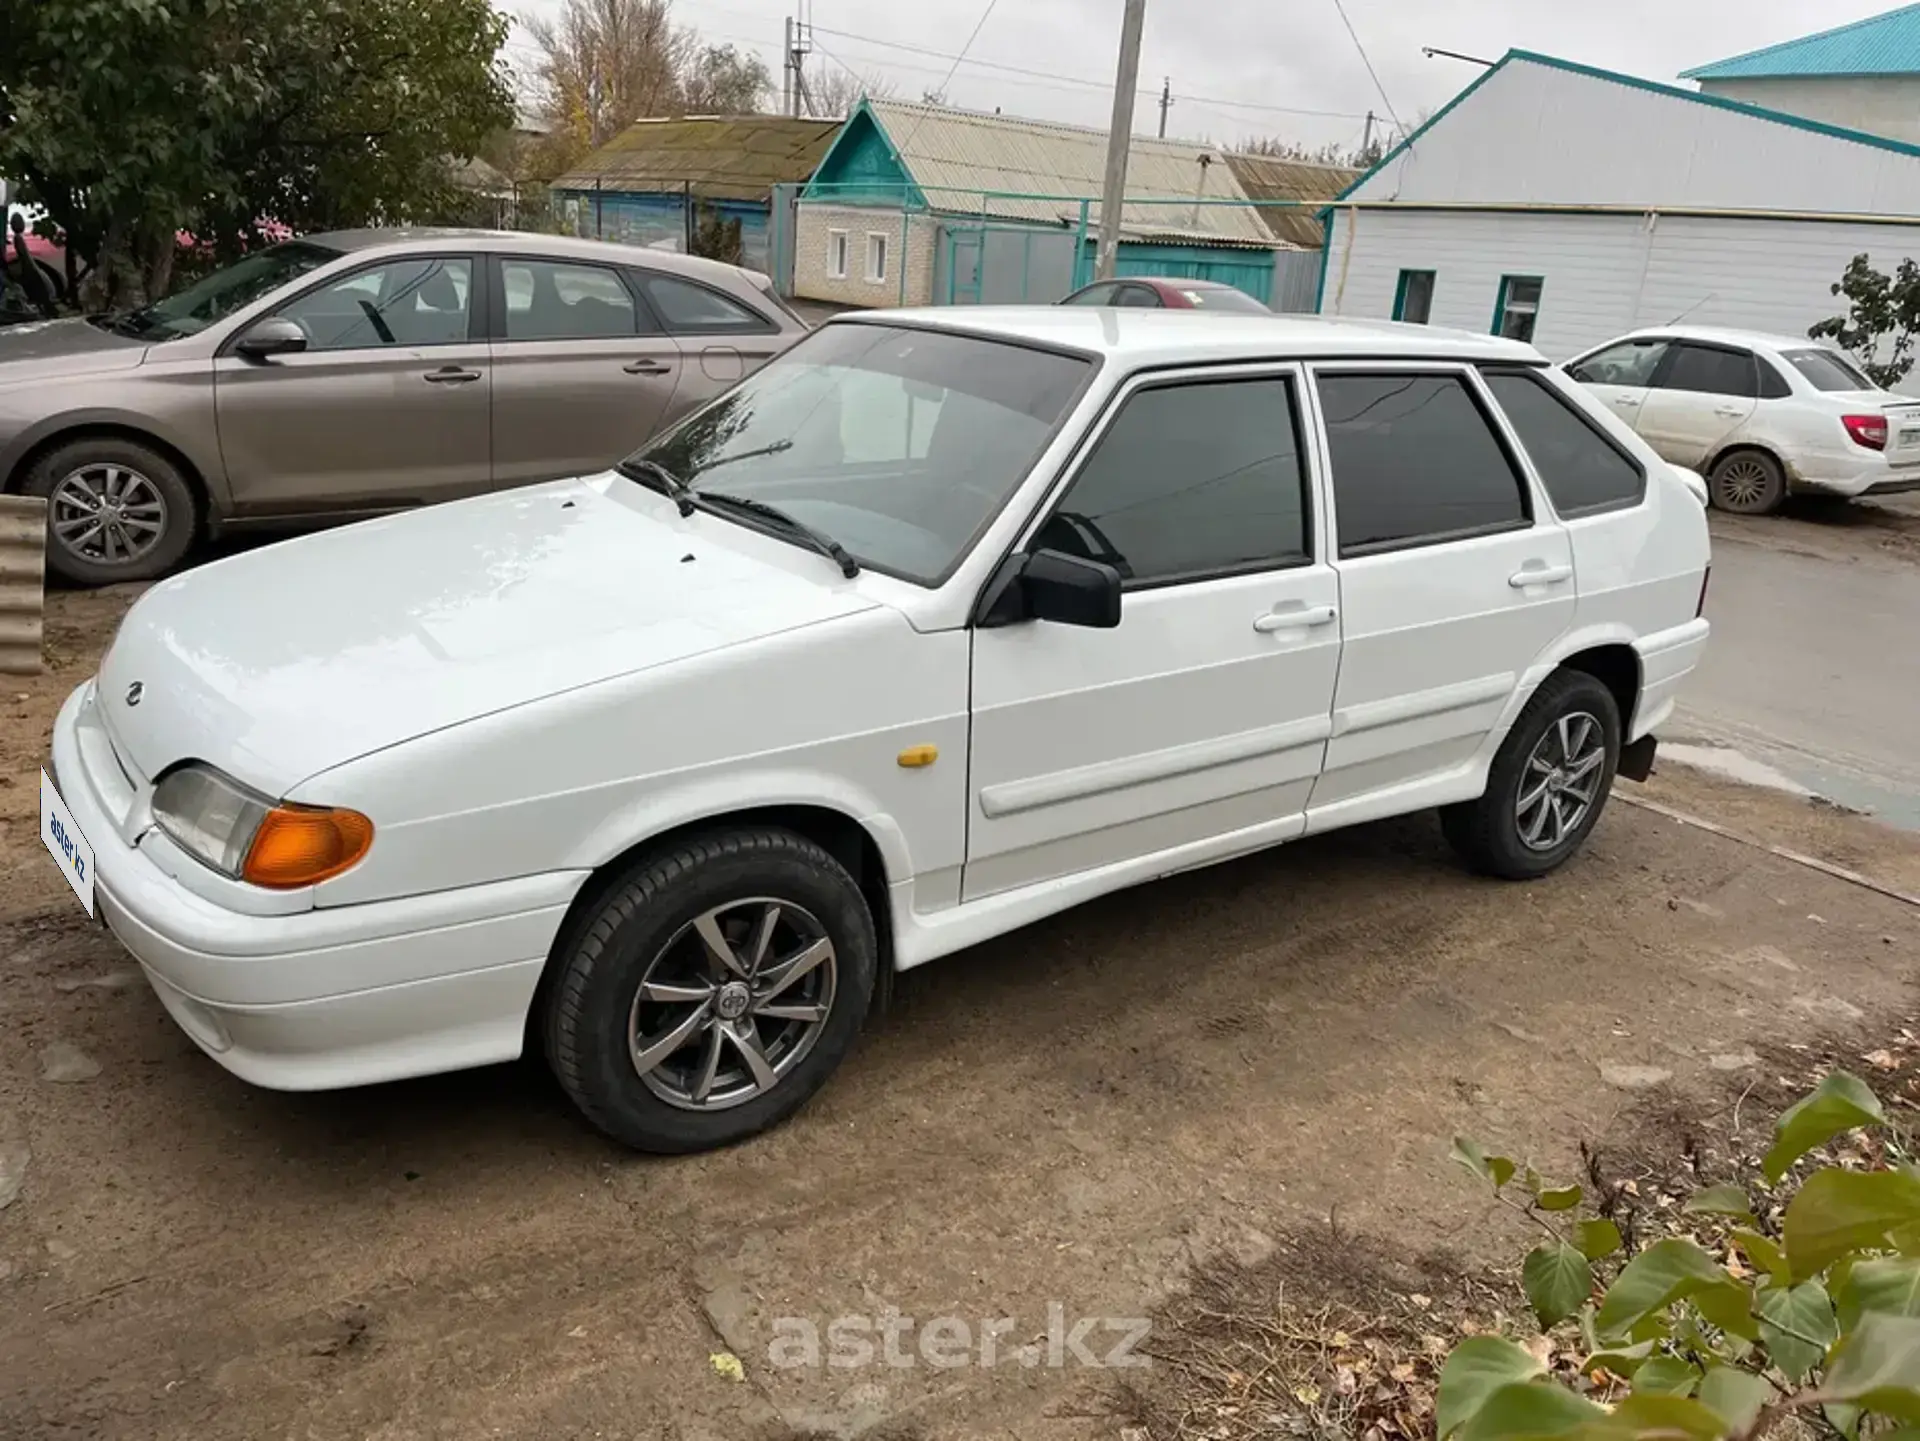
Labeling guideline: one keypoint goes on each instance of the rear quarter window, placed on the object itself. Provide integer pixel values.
(1583, 471)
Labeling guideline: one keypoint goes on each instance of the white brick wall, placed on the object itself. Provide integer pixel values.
(812, 230)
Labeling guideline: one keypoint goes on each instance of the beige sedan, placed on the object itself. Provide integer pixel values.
(360, 372)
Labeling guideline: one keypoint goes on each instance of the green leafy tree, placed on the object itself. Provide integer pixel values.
(129, 121)
(1821, 1321)
(717, 237)
(1883, 315)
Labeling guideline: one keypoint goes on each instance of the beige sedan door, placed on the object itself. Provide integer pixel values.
(582, 376)
(387, 406)
(722, 339)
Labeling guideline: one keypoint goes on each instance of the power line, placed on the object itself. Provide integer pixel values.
(1367, 61)
(979, 25)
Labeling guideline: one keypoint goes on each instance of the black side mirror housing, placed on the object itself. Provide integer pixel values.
(276, 335)
(1052, 585)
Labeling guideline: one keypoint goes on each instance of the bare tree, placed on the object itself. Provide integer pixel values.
(604, 64)
(720, 80)
(835, 93)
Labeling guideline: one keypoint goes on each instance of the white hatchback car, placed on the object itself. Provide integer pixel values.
(943, 622)
(1762, 417)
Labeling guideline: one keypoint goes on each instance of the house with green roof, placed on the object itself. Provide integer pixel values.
(1864, 75)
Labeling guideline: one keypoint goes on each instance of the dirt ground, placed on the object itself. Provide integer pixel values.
(1054, 1128)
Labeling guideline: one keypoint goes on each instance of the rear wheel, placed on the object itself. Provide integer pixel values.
(712, 990)
(117, 510)
(1747, 482)
(1547, 785)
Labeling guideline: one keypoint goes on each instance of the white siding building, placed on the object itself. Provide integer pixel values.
(1567, 204)
(1865, 76)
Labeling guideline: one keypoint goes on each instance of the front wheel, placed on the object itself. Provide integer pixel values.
(712, 990)
(1547, 785)
(117, 510)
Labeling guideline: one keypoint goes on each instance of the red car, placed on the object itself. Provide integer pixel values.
(1142, 292)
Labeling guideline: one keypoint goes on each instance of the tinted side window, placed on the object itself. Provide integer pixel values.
(1189, 481)
(549, 300)
(1581, 469)
(1709, 371)
(1101, 294)
(691, 309)
(1773, 385)
(1137, 297)
(1414, 460)
(1630, 363)
(404, 302)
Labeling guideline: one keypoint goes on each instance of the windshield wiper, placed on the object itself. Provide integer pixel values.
(818, 539)
(651, 471)
(776, 448)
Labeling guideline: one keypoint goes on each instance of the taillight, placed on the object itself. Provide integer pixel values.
(1867, 430)
(1701, 608)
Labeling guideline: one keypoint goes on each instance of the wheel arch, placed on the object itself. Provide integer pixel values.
(1616, 665)
(1736, 447)
(110, 429)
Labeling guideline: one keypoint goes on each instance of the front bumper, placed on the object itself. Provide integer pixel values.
(319, 998)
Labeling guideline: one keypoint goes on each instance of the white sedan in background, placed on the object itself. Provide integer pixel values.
(1762, 417)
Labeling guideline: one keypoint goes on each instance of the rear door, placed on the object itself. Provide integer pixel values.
(1453, 581)
(1620, 374)
(387, 406)
(1701, 396)
(582, 373)
(721, 336)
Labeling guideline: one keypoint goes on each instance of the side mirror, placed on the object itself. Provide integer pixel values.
(276, 335)
(1052, 585)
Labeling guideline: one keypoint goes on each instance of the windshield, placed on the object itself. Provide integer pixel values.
(899, 444)
(1824, 370)
(234, 287)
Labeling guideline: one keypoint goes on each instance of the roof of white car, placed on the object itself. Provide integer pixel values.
(1721, 335)
(1184, 336)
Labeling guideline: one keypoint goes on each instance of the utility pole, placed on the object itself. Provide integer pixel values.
(1113, 195)
(1366, 136)
(799, 44)
(786, 71)
(1166, 104)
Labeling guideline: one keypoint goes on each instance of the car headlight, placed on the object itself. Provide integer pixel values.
(243, 834)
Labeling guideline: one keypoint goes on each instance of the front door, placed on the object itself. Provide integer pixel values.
(1206, 711)
(387, 406)
(1701, 395)
(1620, 374)
(1453, 582)
(582, 375)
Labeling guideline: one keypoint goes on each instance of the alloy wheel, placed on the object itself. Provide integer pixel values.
(732, 1004)
(105, 513)
(1561, 780)
(1742, 484)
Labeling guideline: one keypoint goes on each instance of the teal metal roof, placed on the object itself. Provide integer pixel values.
(1886, 44)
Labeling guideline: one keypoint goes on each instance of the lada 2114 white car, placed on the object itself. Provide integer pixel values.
(940, 623)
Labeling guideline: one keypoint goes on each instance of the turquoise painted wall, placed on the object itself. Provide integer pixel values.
(860, 169)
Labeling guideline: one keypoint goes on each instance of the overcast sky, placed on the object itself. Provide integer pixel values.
(1228, 57)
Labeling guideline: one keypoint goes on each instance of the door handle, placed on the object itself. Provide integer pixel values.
(646, 367)
(1299, 618)
(451, 375)
(1625, 400)
(1729, 412)
(1540, 575)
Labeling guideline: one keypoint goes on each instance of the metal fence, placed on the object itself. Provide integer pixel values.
(23, 569)
(659, 215)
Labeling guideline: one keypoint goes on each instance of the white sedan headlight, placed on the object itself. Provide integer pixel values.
(242, 834)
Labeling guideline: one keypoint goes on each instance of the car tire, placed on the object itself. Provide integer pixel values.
(1535, 812)
(667, 1071)
(114, 470)
(1747, 482)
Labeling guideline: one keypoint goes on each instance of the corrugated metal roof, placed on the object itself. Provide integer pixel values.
(23, 556)
(735, 158)
(1267, 177)
(1886, 44)
(959, 157)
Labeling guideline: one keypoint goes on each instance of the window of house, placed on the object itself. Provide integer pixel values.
(876, 257)
(1191, 480)
(837, 254)
(548, 300)
(1518, 308)
(1582, 470)
(1413, 299)
(422, 300)
(1630, 363)
(1708, 370)
(1415, 461)
(690, 309)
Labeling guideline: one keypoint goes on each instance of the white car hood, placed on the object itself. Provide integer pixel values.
(286, 661)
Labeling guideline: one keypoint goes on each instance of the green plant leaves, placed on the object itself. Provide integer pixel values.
(1730, 1307)
(1527, 1409)
(1478, 1367)
(1890, 1284)
(1558, 1198)
(1877, 1367)
(1665, 1376)
(1764, 1252)
(1496, 1171)
(1660, 1275)
(1734, 1396)
(1621, 1360)
(1798, 1326)
(1720, 1201)
(1558, 1281)
(1840, 1211)
(1597, 1238)
(1840, 1103)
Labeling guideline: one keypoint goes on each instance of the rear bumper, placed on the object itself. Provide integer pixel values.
(1851, 477)
(323, 998)
(1667, 658)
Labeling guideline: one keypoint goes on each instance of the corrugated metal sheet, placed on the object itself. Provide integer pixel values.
(1886, 44)
(960, 158)
(23, 569)
(1548, 132)
(738, 159)
(1267, 177)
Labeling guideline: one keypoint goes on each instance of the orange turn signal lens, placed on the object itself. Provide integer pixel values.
(304, 845)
